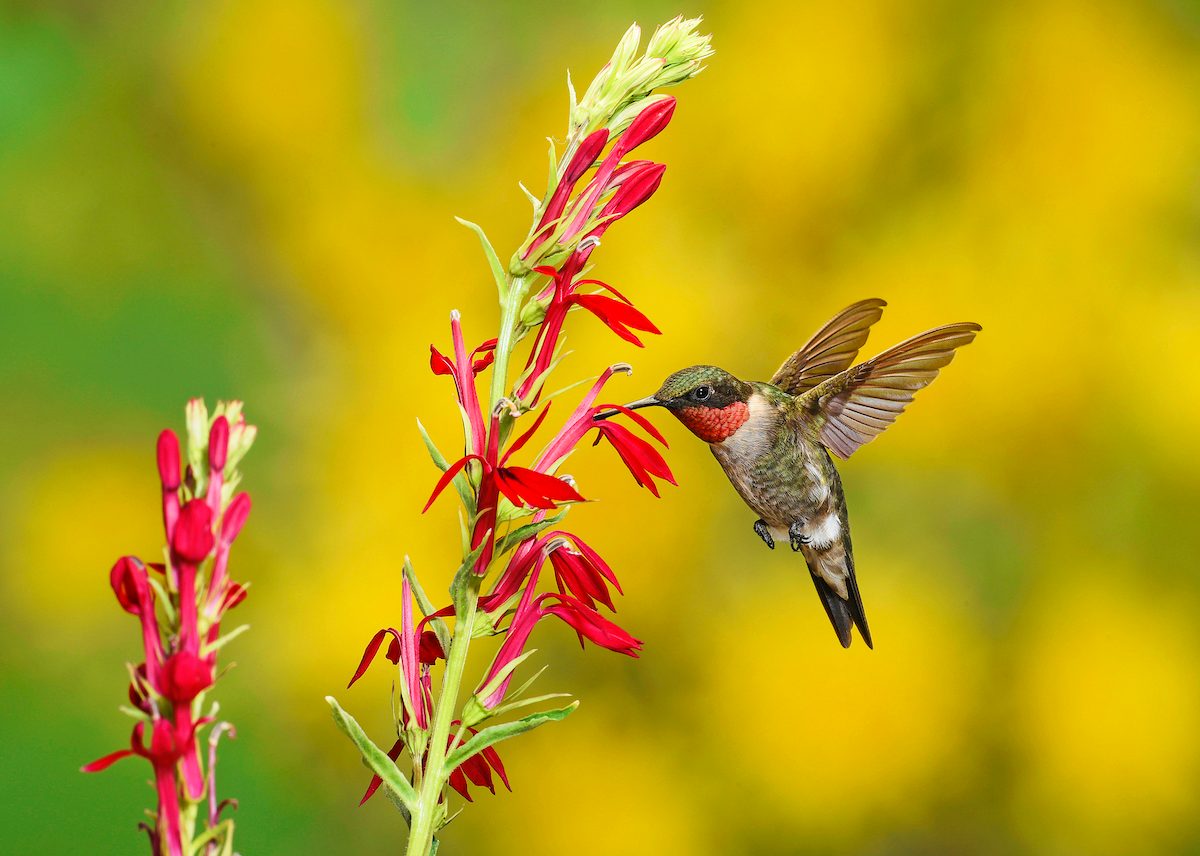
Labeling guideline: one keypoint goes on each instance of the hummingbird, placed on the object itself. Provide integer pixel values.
(776, 440)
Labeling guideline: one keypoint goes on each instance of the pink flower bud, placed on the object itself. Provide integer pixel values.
(235, 517)
(218, 444)
(648, 124)
(192, 539)
(185, 676)
(168, 460)
(129, 583)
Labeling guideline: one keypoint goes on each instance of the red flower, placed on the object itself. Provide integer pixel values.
(131, 584)
(167, 747)
(410, 651)
(581, 617)
(521, 485)
(641, 458)
(582, 572)
(193, 537)
(168, 471)
(185, 676)
(463, 369)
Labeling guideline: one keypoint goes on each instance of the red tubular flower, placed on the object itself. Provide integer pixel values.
(463, 370)
(582, 572)
(590, 624)
(410, 667)
(221, 596)
(583, 159)
(578, 614)
(410, 650)
(192, 542)
(642, 459)
(218, 447)
(167, 747)
(168, 471)
(185, 676)
(131, 584)
(193, 539)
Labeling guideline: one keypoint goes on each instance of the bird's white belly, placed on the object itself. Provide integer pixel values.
(821, 531)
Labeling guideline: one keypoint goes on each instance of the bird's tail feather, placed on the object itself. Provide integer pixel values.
(847, 612)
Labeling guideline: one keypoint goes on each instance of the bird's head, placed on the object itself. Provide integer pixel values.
(711, 402)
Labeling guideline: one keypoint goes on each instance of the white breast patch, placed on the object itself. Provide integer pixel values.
(824, 531)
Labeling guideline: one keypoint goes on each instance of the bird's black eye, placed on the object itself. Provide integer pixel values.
(702, 393)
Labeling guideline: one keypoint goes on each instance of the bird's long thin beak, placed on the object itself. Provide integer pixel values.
(651, 401)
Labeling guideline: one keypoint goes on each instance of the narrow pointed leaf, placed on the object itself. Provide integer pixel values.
(374, 757)
(494, 734)
(492, 259)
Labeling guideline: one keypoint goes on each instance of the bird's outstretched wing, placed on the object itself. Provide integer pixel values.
(831, 349)
(854, 407)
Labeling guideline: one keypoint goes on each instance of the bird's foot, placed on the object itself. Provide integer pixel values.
(797, 536)
(761, 530)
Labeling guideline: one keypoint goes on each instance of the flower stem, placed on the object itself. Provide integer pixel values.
(426, 813)
(510, 310)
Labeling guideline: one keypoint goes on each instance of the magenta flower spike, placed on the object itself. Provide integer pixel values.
(180, 605)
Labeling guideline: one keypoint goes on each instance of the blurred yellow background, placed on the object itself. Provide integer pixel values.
(254, 199)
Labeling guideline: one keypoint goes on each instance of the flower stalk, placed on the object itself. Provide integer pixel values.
(180, 604)
(510, 512)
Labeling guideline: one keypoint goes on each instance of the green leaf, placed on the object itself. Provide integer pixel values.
(228, 637)
(374, 757)
(533, 200)
(526, 702)
(427, 607)
(494, 734)
(528, 530)
(439, 461)
(464, 577)
(162, 598)
(493, 260)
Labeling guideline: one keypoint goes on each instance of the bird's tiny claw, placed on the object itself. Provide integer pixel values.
(797, 536)
(760, 529)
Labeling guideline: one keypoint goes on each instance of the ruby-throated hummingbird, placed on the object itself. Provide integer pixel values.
(774, 439)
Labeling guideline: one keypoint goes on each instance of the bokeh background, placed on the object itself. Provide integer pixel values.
(254, 199)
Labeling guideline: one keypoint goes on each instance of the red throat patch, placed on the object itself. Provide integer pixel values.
(714, 424)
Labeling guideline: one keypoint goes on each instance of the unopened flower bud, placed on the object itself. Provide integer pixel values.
(192, 539)
(218, 444)
(168, 460)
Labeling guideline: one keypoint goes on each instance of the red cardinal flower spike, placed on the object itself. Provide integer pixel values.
(168, 689)
(513, 498)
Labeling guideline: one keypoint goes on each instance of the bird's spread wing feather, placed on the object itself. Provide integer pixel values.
(855, 406)
(831, 349)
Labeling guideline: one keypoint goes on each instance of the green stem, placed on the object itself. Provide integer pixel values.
(426, 813)
(510, 311)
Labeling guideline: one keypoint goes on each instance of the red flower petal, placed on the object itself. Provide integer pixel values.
(617, 315)
(107, 761)
(371, 650)
(438, 363)
(448, 476)
(524, 438)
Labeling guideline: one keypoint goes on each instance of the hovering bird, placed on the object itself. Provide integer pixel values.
(774, 440)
